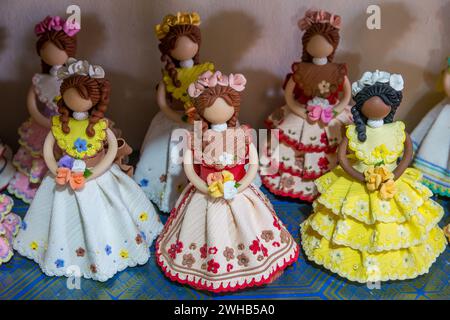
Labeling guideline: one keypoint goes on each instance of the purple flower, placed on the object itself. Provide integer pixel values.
(108, 249)
(66, 162)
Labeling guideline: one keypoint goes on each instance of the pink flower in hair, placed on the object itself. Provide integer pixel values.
(56, 23)
(195, 89)
(319, 16)
(204, 78)
(237, 82)
(71, 28)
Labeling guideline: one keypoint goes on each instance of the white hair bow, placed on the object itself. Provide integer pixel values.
(370, 78)
(80, 67)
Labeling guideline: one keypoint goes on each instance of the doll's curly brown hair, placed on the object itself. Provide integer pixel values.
(168, 43)
(209, 96)
(330, 33)
(97, 90)
(61, 40)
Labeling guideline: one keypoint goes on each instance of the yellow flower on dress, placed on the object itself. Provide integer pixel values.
(382, 152)
(373, 179)
(388, 190)
(143, 216)
(384, 172)
(447, 231)
(34, 245)
(216, 182)
(123, 254)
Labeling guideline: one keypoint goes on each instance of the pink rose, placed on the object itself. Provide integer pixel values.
(195, 89)
(237, 82)
(222, 79)
(71, 28)
(204, 78)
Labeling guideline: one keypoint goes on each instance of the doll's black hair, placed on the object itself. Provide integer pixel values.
(385, 92)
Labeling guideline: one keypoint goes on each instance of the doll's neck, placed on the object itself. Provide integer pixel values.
(80, 115)
(320, 61)
(375, 123)
(219, 127)
(187, 63)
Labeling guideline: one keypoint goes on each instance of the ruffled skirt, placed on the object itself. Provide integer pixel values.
(219, 245)
(355, 234)
(162, 179)
(9, 226)
(29, 162)
(104, 228)
(306, 151)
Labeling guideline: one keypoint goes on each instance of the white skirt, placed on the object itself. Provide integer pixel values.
(104, 228)
(431, 139)
(162, 180)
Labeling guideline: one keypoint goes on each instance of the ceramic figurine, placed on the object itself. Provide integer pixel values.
(56, 43)
(310, 125)
(162, 179)
(223, 234)
(9, 226)
(374, 219)
(431, 141)
(87, 213)
(7, 170)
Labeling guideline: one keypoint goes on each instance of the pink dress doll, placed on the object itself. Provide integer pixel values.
(56, 43)
(7, 170)
(310, 125)
(223, 234)
(9, 226)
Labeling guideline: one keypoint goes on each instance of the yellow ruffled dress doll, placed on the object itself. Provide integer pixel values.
(374, 219)
(162, 179)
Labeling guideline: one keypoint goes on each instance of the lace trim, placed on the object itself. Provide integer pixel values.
(296, 195)
(360, 151)
(351, 243)
(102, 277)
(310, 255)
(66, 141)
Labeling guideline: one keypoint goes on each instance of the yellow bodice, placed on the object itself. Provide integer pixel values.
(77, 143)
(383, 145)
(186, 77)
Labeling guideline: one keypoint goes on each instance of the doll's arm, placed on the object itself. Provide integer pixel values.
(108, 159)
(161, 100)
(188, 164)
(35, 114)
(345, 164)
(347, 91)
(295, 107)
(447, 82)
(252, 169)
(47, 151)
(406, 159)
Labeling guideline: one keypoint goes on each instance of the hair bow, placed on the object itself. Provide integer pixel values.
(80, 67)
(319, 16)
(210, 80)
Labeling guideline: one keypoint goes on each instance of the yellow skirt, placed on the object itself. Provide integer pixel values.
(355, 234)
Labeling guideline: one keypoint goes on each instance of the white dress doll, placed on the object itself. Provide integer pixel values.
(161, 178)
(431, 140)
(223, 234)
(87, 214)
